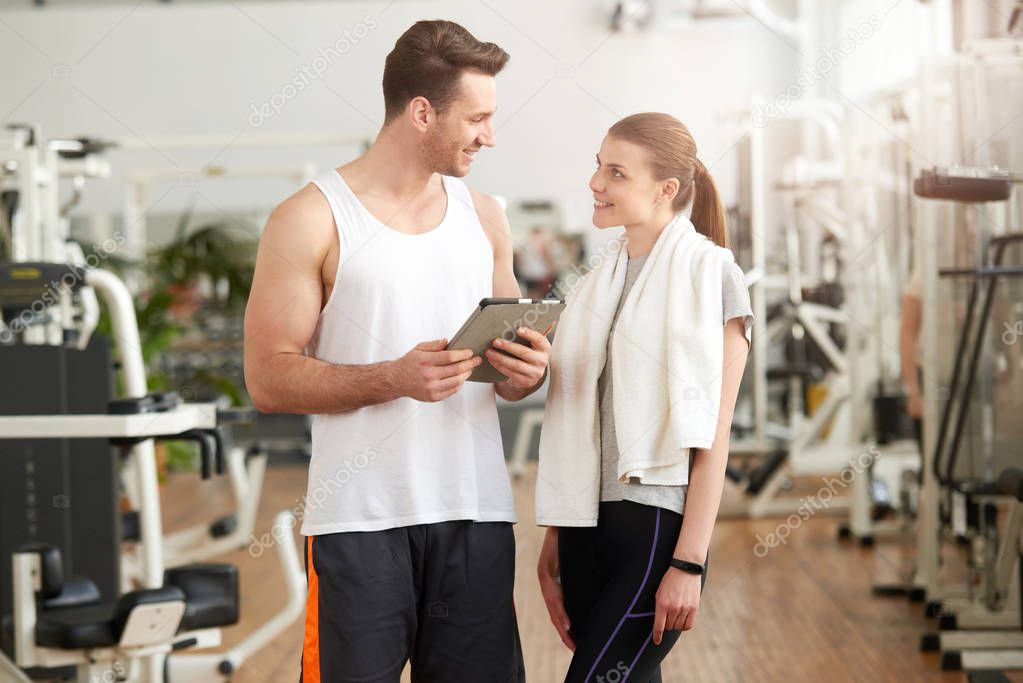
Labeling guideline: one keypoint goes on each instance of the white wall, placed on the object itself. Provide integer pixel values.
(158, 71)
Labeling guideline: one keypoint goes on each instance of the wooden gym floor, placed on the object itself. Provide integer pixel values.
(803, 612)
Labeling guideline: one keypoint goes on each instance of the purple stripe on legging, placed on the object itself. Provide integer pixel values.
(650, 563)
(642, 614)
(636, 658)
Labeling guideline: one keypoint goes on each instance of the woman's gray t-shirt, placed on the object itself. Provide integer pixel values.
(735, 304)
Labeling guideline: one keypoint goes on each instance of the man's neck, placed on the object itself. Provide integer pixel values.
(391, 166)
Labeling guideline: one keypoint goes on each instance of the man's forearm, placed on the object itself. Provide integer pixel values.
(907, 363)
(294, 383)
(909, 341)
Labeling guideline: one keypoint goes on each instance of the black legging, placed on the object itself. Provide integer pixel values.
(610, 574)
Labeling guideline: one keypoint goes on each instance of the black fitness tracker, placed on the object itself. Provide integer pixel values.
(687, 567)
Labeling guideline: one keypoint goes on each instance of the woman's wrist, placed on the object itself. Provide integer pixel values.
(688, 557)
(547, 567)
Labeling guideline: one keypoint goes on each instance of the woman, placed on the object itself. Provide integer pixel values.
(638, 415)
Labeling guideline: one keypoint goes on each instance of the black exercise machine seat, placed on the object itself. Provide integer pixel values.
(71, 616)
(211, 592)
(97, 625)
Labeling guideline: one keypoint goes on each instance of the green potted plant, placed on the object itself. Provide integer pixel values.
(211, 255)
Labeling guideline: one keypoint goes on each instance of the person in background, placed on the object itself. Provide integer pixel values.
(533, 263)
(911, 323)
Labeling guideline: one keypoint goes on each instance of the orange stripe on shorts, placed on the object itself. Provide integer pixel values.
(311, 645)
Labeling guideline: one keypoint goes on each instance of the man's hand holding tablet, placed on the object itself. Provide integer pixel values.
(430, 372)
(524, 366)
(511, 337)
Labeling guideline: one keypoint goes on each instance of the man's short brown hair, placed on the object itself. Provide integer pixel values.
(428, 61)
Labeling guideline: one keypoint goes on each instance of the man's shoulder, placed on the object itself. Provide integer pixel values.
(485, 202)
(307, 207)
(303, 218)
(491, 215)
(307, 202)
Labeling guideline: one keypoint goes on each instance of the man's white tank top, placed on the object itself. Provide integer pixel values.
(404, 462)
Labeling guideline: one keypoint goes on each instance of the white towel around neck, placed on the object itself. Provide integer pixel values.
(666, 369)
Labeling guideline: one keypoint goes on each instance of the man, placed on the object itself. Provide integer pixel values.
(359, 277)
(910, 326)
(534, 264)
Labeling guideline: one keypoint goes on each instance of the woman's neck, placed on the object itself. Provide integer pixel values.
(642, 236)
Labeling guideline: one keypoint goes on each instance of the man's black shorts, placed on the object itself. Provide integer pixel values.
(439, 595)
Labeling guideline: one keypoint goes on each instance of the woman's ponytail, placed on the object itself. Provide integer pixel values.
(708, 215)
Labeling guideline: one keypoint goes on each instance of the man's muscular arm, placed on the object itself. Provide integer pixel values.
(281, 316)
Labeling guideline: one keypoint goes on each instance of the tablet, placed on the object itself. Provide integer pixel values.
(495, 318)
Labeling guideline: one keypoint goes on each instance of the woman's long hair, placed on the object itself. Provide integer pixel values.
(671, 152)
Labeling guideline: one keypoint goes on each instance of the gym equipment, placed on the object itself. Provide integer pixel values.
(967, 509)
(968, 217)
(992, 651)
(975, 188)
(828, 364)
(76, 602)
(51, 439)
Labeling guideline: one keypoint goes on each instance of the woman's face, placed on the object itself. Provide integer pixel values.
(624, 189)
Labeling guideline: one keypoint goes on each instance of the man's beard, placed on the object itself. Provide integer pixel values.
(441, 156)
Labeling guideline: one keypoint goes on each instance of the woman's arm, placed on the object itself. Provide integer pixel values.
(707, 481)
(678, 597)
(549, 571)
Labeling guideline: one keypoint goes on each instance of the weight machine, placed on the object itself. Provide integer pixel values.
(88, 594)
